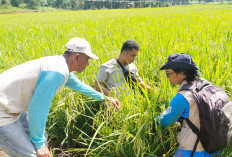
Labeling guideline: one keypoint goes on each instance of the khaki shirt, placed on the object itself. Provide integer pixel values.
(111, 74)
(186, 137)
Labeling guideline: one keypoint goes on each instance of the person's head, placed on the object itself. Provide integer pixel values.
(77, 54)
(180, 67)
(129, 51)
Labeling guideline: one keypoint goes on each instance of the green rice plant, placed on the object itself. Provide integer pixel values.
(80, 126)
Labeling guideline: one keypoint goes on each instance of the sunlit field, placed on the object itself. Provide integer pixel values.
(78, 125)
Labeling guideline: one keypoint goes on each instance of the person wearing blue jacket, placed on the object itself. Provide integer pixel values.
(26, 94)
(181, 70)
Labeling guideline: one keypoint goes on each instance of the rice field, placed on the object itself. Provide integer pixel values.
(80, 126)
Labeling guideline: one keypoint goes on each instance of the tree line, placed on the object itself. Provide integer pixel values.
(99, 4)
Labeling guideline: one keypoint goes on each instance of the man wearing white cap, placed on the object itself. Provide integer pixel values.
(31, 87)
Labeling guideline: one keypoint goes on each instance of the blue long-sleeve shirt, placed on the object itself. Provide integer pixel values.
(45, 90)
(179, 106)
(81, 87)
(31, 86)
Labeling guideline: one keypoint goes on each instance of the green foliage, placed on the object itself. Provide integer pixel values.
(77, 4)
(32, 4)
(5, 3)
(43, 3)
(82, 126)
(15, 3)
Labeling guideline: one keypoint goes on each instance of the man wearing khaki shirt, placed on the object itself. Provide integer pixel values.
(112, 73)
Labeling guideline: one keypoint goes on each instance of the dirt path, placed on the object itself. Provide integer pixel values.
(2, 154)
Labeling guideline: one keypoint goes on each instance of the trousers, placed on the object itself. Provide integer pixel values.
(15, 140)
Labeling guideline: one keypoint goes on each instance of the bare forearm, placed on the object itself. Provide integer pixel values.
(105, 91)
(100, 87)
(142, 84)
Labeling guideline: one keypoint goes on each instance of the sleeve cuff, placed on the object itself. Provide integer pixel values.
(39, 144)
(102, 98)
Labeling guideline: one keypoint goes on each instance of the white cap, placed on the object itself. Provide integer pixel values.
(80, 45)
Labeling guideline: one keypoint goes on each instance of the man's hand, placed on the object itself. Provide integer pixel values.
(115, 102)
(43, 152)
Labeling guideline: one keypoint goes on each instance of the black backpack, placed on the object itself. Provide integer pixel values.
(215, 113)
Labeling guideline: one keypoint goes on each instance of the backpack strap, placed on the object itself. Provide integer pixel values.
(120, 64)
(193, 127)
(188, 87)
(195, 146)
(125, 71)
(195, 87)
(196, 131)
(202, 85)
(127, 75)
(191, 87)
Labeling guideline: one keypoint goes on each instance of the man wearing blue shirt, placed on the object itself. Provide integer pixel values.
(31, 87)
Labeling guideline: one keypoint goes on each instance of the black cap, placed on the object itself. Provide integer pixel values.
(179, 61)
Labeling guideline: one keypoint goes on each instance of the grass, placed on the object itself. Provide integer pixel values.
(7, 9)
(79, 125)
(11, 10)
